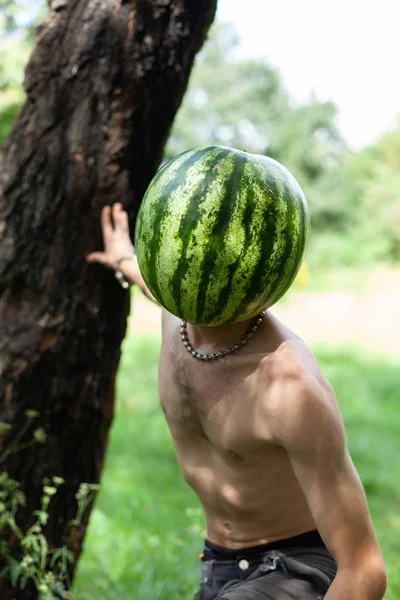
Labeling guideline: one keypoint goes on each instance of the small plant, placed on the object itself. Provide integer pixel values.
(31, 558)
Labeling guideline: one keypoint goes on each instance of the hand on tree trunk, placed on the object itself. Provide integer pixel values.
(119, 252)
(117, 242)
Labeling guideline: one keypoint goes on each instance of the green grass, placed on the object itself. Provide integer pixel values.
(146, 530)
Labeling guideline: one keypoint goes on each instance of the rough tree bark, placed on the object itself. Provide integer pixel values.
(103, 85)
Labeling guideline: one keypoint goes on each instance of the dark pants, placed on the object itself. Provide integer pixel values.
(303, 573)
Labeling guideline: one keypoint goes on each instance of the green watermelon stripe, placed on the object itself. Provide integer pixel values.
(251, 252)
(256, 284)
(191, 216)
(147, 234)
(221, 274)
(299, 235)
(291, 234)
(195, 250)
(285, 277)
(172, 188)
(235, 270)
(305, 230)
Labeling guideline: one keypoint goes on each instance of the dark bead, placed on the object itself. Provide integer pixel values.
(204, 357)
(243, 342)
(236, 346)
(221, 354)
(249, 335)
(229, 350)
(186, 344)
(193, 353)
(254, 328)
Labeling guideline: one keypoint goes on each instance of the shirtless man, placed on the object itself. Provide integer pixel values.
(259, 437)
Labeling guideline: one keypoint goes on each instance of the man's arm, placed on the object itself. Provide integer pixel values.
(119, 253)
(309, 426)
(129, 267)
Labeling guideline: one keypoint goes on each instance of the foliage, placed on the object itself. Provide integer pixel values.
(360, 221)
(26, 555)
(147, 528)
(377, 172)
(18, 17)
(17, 20)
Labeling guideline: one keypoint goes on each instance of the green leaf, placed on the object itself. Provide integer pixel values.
(30, 543)
(15, 572)
(32, 414)
(60, 591)
(44, 548)
(4, 427)
(42, 516)
(14, 527)
(24, 580)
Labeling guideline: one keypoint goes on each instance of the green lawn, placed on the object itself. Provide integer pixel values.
(147, 529)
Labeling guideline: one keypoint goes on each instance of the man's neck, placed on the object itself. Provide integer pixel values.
(207, 339)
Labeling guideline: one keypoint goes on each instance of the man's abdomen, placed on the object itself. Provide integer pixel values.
(246, 502)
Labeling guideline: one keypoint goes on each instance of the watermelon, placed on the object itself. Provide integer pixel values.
(221, 234)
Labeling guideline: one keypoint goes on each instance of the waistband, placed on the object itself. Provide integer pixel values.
(310, 539)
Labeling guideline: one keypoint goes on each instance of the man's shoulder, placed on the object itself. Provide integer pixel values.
(290, 359)
(292, 385)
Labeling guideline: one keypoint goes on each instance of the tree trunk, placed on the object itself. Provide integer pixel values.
(103, 85)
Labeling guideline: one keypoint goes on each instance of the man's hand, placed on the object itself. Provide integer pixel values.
(117, 242)
(119, 253)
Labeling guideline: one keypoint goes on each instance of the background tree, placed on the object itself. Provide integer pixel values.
(376, 174)
(102, 88)
(16, 35)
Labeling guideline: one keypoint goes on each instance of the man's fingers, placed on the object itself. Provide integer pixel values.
(106, 223)
(120, 217)
(99, 257)
(116, 209)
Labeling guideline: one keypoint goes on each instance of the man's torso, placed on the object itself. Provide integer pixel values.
(216, 415)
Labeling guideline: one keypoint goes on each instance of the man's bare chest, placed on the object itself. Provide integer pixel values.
(217, 402)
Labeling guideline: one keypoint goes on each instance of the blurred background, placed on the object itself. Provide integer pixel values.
(315, 86)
